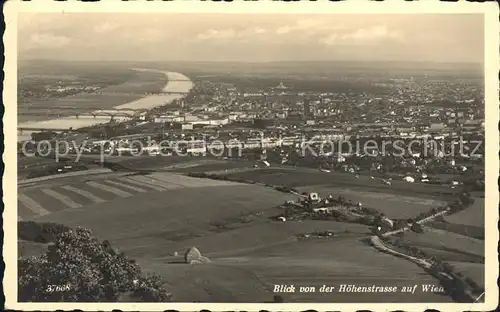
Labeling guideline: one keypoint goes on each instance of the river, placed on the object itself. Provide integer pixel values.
(176, 82)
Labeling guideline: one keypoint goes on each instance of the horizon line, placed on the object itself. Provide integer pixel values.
(254, 62)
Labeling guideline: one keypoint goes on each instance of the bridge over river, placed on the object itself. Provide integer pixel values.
(177, 87)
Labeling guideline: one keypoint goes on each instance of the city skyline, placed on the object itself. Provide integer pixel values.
(279, 153)
(239, 38)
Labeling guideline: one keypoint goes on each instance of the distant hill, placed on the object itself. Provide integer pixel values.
(288, 66)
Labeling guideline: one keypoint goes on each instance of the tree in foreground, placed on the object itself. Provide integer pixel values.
(79, 268)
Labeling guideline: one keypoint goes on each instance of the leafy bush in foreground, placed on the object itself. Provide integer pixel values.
(79, 268)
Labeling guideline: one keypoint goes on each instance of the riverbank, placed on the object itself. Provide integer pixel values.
(176, 82)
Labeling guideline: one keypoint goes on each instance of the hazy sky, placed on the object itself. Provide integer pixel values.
(231, 37)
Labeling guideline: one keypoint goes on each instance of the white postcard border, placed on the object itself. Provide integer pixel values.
(490, 10)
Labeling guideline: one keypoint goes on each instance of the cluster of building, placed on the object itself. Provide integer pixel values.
(280, 120)
(58, 89)
(407, 107)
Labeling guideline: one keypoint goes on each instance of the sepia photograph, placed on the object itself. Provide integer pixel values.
(266, 156)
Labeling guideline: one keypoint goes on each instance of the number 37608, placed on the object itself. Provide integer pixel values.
(54, 288)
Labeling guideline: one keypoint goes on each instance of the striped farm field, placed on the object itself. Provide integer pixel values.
(72, 193)
(468, 222)
(446, 241)
(466, 254)
(473, 215)
(154, 218)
